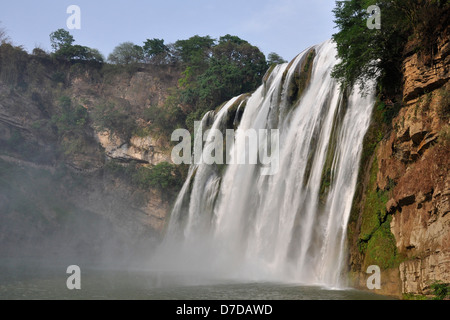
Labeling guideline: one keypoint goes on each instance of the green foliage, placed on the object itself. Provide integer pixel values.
(381, 248)
(301, 79)
(13, 65)
(58, 77)
(61, 39)
(376, 241)
(114, 118)
(156, 51)
(164, 176)
(364, 53)
(440, 290)
(126, 53)
(195, 51)
(71, 122)
(444, 136)
(3, 36)
(214, 72)
(62, 44)
(413, 297)
(374, 213)
(235, 67)
(444, 106)
(378, 54)
(71, 119)
(275, 58)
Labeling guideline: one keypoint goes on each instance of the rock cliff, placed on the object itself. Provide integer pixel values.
(55, 170)
(409, 170)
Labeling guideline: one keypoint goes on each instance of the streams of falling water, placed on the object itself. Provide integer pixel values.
(290, 226)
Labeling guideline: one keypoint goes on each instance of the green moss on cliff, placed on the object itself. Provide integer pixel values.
(374, 213)
(376, 242)
(301, 79)
(370, 238)
(381, 248)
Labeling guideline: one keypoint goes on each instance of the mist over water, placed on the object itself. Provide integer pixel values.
(236, 223)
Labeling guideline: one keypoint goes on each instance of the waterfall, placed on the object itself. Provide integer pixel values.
(234, 222)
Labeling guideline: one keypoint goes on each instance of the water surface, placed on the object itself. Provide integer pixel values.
(31, 283)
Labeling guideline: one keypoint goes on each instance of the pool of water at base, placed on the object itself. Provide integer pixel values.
(26, 283)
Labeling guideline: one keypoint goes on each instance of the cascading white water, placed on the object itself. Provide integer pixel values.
(290, 226)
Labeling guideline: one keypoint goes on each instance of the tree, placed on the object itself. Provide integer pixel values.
(114, 118)
(378, 53)
(196, 50)
(62, 43)
(162, 176)
(247, 58)
(126, 53)
(61, 39)
(3, 36)
(235, 67)
(155, 50)
(274, 58)
(95, 55)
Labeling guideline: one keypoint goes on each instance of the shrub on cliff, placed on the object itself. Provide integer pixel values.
(114, 118)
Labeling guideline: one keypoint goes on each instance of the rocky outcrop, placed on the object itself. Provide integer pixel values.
(416, 159)
(420, 78)
(140, 149)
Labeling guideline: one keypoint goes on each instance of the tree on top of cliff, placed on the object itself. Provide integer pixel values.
(126, 53)
(61, 39)
(275, 58)
(156, 51)
(3, 36)
(62, 44)
(378, 53)
(195, 51)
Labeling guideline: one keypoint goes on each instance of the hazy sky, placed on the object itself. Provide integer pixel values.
(284, 26)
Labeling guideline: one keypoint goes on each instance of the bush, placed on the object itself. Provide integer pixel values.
(114, 119)
(440, 290)
(163, 176)
(13, 65)
(71, 119)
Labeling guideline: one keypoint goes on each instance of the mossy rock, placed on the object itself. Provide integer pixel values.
(301, 79)
(381, 248)
(374, 212)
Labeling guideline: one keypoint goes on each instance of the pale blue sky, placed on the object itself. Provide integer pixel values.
(284, 26)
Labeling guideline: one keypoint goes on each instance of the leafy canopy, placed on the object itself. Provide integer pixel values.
(62, 44)
(126, 53)
(378, 53)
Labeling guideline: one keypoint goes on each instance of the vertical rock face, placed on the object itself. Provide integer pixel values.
(401, 215)
(414, 163)
(420, 78)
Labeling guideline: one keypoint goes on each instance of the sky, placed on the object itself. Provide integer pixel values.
(286, 27)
